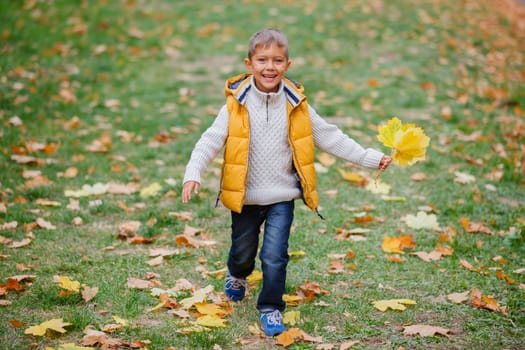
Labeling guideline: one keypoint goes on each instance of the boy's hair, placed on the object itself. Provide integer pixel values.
(265, 38)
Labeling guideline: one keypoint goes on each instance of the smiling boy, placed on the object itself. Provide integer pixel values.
(268, 132)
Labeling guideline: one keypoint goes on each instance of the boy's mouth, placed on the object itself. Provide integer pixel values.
(269, 77)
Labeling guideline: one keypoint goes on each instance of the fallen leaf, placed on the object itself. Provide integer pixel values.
(291, 317)
(422, 220)
(155, 261)
(463, 178)
(378, 187)
(209, 309)
(425, 330)
(458, 298)
(89, 293)
(428, 257)
(136, 283)
(199, 296)
(355, 179)
(45, 224)
(56, 324)
(67, 284)
(211, 321)
(394, 304)
(255, 277)
(289, 337)
(24, 242)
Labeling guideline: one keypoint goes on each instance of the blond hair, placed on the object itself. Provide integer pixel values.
(265, 38)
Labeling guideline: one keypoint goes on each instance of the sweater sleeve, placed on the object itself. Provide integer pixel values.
(207, 148)
(331, 139)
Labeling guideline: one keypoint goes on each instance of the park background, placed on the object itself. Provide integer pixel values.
(102, 101)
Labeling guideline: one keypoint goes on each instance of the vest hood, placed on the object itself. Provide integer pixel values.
(238, 87)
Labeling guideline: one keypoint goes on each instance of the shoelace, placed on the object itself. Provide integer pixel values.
(274, 317)
(236, 283)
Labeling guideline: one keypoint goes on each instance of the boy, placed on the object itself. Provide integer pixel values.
(269, 132)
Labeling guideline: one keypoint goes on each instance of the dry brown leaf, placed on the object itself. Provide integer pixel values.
(428, 257)
(89, 293)
(336, 267)
(128, 228)
(45, 224)
(24, 242)
(137, 283)
(458, 298)
(425, 330)
(156, 261)
(186, 240)
(480, 301)
(504, 277)
(9, 226)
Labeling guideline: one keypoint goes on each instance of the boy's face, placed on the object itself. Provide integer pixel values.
(268, 66)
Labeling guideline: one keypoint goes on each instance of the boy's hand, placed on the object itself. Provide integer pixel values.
(188, 188)
(385, 162)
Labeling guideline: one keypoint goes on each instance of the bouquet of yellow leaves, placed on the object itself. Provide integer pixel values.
(408, 142)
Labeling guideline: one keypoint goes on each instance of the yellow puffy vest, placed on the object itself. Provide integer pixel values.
(235, 165)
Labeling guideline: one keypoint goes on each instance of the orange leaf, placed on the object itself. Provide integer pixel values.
(289, 337)
(391, 245)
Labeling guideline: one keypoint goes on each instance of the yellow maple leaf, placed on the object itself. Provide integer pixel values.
(56, 324)
(394, 304)
(291, 317)
(387, 132)
(199, 296)
(67, 284)
(255, 276)
(391, 245)
(292, 300)
(209, 309)
(410, 146)
(408, 142)
(211, 321)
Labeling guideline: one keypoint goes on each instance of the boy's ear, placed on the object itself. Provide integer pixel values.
(248, 63)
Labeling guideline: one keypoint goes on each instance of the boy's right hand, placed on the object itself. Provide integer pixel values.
(188, 188)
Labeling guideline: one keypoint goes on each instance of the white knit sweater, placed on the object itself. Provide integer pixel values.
(270, 169)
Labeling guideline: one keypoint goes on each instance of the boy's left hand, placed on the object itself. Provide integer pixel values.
(385, 162)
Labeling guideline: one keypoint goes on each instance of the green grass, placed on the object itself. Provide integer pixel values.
(165, 62)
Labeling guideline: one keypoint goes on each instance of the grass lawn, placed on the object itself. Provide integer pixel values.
(101, 103)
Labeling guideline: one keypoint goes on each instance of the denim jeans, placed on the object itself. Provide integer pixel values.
(277, 219)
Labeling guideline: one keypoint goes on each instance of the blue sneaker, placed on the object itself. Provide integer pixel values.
(235, 288)
(272, 323)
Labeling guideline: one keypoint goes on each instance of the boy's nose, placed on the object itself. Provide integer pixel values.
(270, 64)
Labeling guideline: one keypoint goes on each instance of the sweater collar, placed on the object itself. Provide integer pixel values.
(266, 97)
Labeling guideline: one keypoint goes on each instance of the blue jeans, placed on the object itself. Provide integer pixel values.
(277, 219)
